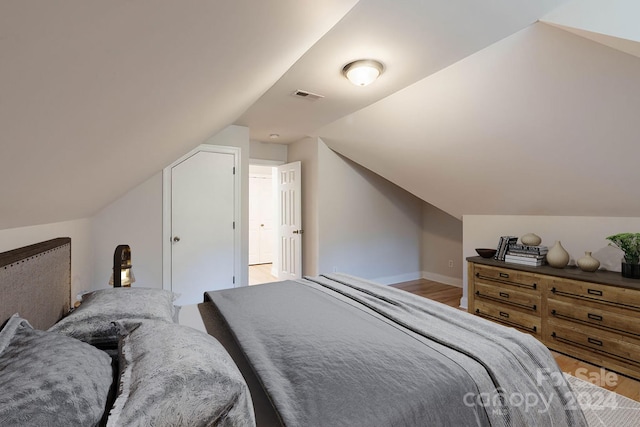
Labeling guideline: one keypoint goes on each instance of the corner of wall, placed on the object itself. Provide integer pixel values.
(306, 151)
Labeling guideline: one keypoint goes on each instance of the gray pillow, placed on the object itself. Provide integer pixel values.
(173, 375)
(93, 321)
(50, 380)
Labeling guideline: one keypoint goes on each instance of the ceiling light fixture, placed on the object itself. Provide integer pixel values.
(274, 136)
(363, 71)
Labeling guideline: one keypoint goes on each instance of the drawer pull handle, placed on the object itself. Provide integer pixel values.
(553, 290)
(477, 274)
(594, 317)
(553, 312)
(594, 292)
(504, 275)
(503, 314)
(504, 295)
(595, 341)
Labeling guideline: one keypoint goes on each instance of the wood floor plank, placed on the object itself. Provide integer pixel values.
(446, 294)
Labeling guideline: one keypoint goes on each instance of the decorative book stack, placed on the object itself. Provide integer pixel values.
(526, 255)
(503, 246)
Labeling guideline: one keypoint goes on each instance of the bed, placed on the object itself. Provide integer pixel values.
(338, 350)
(119, 359)
(325, 351)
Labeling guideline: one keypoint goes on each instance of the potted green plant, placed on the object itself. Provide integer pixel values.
(629, 243)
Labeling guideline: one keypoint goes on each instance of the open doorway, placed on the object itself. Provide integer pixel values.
(262, 227)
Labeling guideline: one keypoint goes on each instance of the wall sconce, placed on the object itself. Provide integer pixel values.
(122, 274)
(363, 71)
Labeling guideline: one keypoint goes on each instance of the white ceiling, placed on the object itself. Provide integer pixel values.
(541, 123)
(96, 97)
(413, 38)
(613, 23)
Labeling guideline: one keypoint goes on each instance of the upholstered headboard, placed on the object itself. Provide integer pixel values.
(35, 281)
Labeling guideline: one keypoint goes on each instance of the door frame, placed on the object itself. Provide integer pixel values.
(275, 268)
(166, 211)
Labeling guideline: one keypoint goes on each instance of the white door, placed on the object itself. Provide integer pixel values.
(202, 225)
(289, 221)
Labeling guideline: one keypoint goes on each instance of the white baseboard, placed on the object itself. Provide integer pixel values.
(390, 280)
(463, 304)
(452, 281)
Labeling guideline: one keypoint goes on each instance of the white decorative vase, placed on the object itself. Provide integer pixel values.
(531, 239)
(557, 257)
(588, 263)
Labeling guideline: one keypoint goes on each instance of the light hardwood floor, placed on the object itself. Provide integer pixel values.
(260, 273)
(451, 295)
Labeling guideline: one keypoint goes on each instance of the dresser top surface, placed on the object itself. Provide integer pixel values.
(569, 272)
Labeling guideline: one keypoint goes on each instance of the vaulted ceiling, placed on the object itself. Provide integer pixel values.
(97, 96)
(480, 108)
(543, 122)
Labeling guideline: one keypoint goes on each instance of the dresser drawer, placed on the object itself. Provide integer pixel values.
(611, 295)
(511, 297)
(594, 317)
(515, 279)
(595, 340)
(508, 316)
(598, 317)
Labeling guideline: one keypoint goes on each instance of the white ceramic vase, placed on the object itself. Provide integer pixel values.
(588, 263)
(557, 257)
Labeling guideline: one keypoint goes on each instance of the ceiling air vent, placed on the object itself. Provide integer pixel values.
(307, 95)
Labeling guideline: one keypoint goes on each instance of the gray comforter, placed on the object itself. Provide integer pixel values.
(340, 351)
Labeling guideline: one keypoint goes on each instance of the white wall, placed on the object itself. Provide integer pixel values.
(81, 249)
(368, 226)
(267, 151)
(439, 234)
(306, 151)
(618, 18)
(577, 234)
(135, 219)
(441, 243)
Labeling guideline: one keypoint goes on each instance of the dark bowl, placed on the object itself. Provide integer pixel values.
(486, 253)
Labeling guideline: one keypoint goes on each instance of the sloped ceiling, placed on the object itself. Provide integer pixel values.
(541, 123)
(412, 38)
(479, 111)
(97, 96)
(613, 23)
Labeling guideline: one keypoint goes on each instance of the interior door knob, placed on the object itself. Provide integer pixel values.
(176, 239)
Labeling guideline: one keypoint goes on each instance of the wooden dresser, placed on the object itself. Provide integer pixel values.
(591, 316)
